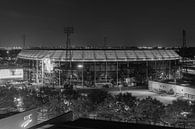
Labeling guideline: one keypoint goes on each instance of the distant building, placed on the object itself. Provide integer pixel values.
(8, 74)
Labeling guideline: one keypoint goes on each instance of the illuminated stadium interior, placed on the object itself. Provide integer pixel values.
(90, 67)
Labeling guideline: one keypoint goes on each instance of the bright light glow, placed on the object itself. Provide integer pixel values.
(80, 66)
(48, 65)
(11, 73)
(185, 113)
(18, 99)
(27, 121)
(19, 103)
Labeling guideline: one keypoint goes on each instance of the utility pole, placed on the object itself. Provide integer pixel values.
(68, 31)
(24, 41)
(183, 50)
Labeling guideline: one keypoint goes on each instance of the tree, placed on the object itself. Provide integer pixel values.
(80, 107)
(111, 109)
(127, 99)
(31, 100)
(175, 112)
(119, 107)
(193, 107)
(7, 95)
(149, 110)
(97, 96)
(69, 92)
(126, 103)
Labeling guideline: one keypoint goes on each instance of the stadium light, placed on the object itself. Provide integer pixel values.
(80, 66)
(48, 65)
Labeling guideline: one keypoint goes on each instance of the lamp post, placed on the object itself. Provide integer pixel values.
(80, 66)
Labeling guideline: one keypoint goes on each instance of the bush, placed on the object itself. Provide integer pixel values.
(97, 96)
(127, 99)
(171, 92)
(105, 86)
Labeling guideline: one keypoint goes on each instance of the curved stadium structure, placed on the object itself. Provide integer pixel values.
(93, 66)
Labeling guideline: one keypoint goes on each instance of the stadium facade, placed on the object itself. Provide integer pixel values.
(90, 67)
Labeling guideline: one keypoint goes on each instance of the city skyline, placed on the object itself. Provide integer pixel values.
(124, 23)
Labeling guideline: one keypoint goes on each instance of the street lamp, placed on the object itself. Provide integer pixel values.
(80, 66)
(185, 117)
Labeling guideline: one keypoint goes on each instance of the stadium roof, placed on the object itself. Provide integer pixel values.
(99, 55)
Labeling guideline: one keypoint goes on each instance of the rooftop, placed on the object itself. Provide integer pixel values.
(99, 55)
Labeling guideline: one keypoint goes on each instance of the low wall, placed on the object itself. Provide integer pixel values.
(177, 90)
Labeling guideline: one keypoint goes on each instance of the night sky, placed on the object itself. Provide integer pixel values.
(123, 22)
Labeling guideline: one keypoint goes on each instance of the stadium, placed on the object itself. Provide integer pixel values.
(98, 67)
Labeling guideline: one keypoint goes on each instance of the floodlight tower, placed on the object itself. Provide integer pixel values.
(68, 31)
